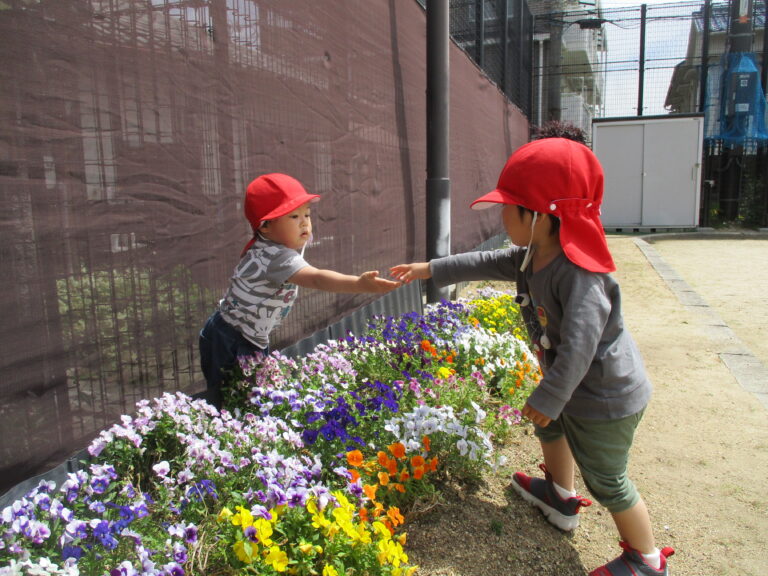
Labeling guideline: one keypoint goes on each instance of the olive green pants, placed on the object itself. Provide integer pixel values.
(601, 451)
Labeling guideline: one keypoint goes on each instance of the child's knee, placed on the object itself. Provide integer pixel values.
(615, 493)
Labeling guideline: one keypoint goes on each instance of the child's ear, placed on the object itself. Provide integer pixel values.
(263, 225)
(553, 223)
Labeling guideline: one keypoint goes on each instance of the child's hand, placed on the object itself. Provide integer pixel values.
(370, 282)
(535, 416)
(408, 272)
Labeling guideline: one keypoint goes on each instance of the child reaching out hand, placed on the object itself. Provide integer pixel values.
(594, 389)
(265, 283)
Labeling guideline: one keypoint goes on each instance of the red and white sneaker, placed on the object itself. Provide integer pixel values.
(560, 512)
(632, 563)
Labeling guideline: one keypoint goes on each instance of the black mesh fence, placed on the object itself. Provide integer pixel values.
(129, 130)
(656, 60)
(497, 35)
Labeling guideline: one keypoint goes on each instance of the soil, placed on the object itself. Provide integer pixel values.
(700, 458)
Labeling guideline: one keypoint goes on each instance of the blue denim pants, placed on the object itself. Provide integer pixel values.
(220, 346)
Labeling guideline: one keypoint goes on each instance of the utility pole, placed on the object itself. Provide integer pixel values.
(438, 159)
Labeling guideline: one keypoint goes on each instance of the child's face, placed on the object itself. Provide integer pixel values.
(517, 225)
(292, 230)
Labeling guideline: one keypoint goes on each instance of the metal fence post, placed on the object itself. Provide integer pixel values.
(554, 88)
(641, 74)
(505, 52)
(764, 67)
(480, 32)
(705, 57)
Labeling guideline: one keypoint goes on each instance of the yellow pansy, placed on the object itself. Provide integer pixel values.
(277, 559)
(276, 512)
(444, 372)
(381, 529)
(264, 531)
(243, 517)
(245, 550)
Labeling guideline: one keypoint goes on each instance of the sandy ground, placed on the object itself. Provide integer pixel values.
(700, 458)
(731, 275)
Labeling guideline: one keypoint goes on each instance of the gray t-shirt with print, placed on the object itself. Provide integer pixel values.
(259, 296)
(591, 366)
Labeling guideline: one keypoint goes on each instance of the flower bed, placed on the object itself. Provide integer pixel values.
(311, 469)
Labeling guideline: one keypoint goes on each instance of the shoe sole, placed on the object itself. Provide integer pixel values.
(557, 519)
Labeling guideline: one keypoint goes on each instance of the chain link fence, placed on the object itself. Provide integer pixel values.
(496, 34)
(655, 60)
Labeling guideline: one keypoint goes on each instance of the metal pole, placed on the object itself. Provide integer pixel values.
(740, 31)
(739, 40)
(480, 33)
(703, 77)
(764, 69)
(540, 83)
(555, 75)
(529, 34)
(505, 79)
(641, 75)
(438, 180)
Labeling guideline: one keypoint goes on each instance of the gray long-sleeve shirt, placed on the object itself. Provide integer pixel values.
(591, 366)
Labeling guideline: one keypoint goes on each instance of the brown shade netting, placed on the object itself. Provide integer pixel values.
(128, 132)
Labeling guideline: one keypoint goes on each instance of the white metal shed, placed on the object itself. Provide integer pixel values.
(652, 170)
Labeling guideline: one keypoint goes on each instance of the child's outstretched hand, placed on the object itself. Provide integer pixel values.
(408, 272)
(370, 282)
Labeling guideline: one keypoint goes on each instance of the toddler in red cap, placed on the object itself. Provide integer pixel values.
(594, 388)
(265, 283)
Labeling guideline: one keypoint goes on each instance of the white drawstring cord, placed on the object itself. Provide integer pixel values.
(529, 251)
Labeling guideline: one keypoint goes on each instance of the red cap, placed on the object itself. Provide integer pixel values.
(564, 178)
(271, 196)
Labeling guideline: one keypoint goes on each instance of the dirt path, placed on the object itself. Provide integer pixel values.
(701, 454)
